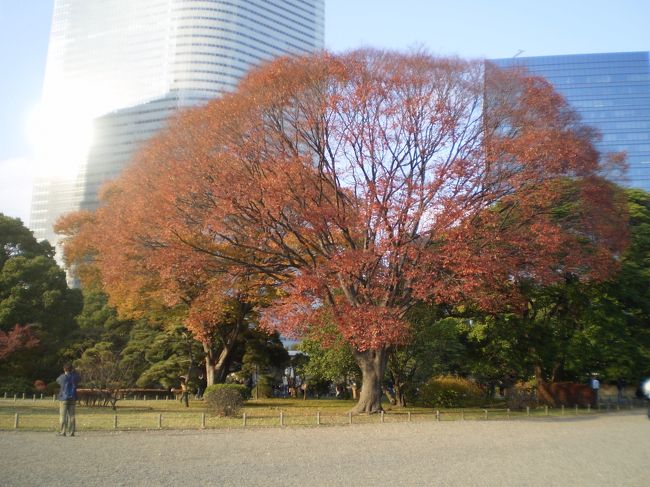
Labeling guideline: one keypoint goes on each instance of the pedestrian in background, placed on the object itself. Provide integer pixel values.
(202, 384)
(68, 381)
(185, 393)
(595, 385)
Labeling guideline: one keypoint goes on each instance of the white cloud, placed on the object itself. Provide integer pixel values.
(16, 177)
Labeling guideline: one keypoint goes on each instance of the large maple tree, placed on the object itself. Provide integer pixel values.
(361, 184)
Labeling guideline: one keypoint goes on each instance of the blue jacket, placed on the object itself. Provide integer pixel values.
(68, 383)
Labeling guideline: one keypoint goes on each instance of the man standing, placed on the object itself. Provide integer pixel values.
(68, 381)
(595, 385)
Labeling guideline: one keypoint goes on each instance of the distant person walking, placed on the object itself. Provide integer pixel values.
(595, 385)
(185, 393)
(68, 381)
(201, 386)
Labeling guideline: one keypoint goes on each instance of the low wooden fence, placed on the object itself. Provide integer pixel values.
(105, 421)
(122, 394)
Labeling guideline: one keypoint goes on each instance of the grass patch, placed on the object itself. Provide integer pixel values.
(43, 414)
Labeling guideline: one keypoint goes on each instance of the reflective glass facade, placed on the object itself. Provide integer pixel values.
(124, 66)
(612, 93)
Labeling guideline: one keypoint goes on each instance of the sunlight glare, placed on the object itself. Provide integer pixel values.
(61, 137)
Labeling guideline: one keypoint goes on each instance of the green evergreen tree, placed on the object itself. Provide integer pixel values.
(33, 291)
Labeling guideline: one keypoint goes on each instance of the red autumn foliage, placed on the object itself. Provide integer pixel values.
(358, 184)
(19, 338)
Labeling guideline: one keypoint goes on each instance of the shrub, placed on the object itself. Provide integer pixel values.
(51, 389)
(225, 399)
(243, 391)
(15, 385)
(449, 391)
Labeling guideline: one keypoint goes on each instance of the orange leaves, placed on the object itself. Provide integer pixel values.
(358, 184)
(370, 327)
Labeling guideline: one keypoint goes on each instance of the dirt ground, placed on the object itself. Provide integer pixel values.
(600, 450)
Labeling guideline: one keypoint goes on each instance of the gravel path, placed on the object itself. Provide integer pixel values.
(611, 450)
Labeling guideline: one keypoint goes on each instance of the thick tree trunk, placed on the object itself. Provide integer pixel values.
(216, 369)
(373, 365)
(400, 398)
(209, 364)
(222, 364)
(543, 394)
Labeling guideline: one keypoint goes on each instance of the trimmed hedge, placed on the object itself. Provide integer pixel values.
(449, 391)
(243, 391)
(225, 399)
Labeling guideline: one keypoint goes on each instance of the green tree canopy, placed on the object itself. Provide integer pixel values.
(33, 291)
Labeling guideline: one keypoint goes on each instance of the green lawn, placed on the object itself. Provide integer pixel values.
(42, 414)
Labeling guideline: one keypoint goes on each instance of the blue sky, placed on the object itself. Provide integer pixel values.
(477, 29)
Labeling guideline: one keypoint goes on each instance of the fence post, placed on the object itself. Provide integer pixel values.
(281, 418)
(562, 409)
(349, 418)
(23, 395)
(318, 418)
(508, 412)
(437, 415)
(159, 421)
(486, 413)
(16, 419)
(53, 397)
(382, 416)
(409, 414)
(14, 397)
(33, 397)
(41, 395)
(527, 410)
(202, 421)
(546, 410)
(115, 421)
(244, 415)
(5, 395)
(588, 408)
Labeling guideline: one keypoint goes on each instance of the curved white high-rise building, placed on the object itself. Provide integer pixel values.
(121, 67)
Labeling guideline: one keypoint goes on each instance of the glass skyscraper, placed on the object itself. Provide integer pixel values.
(122, 67)
(612, 93)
